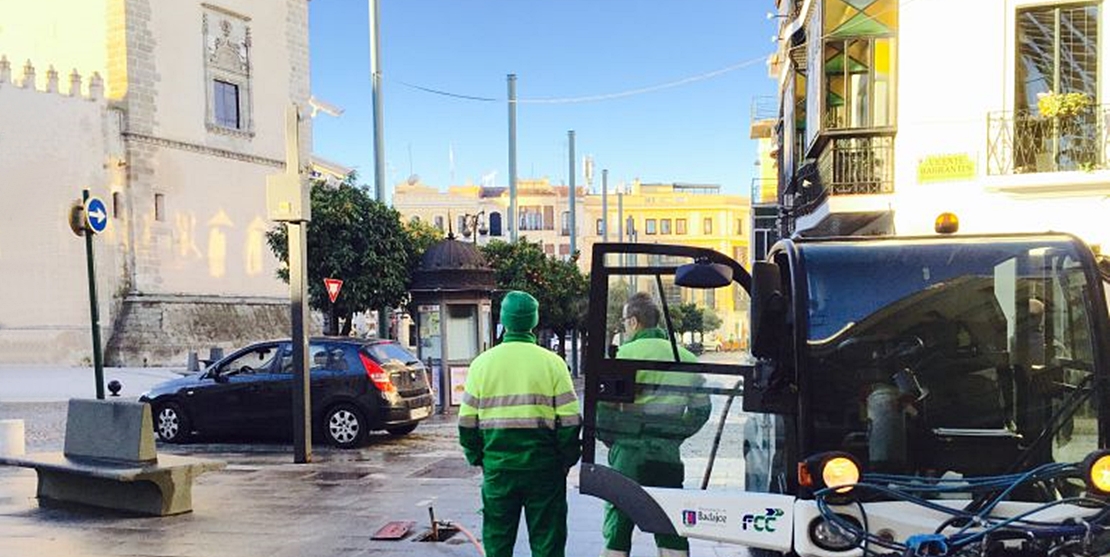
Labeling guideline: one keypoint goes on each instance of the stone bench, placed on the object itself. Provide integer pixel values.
(109, 461)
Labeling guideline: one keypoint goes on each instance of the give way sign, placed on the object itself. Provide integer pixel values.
(332, 286)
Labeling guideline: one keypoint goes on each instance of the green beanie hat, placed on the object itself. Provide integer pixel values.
(520, 312)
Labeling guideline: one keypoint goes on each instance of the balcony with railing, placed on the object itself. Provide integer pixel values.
(849, 165)
(1025, 143)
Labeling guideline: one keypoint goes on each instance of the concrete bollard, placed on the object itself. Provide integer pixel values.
(12, 439)
(192, 363)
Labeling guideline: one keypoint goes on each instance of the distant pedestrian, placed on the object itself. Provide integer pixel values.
(519, 421)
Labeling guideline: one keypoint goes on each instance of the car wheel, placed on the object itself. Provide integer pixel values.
(401, 430)
(170, 422)
(344, 426)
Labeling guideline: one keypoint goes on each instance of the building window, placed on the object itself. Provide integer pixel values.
(859, 85)
(600, 227)
(532, 217)
(227, 71)
(159, 207)
(707, 225)
(117, 204)
(664, 226)
(549, 249)
(680, 226)
(226, 98)
(1057, 49)
(649, 227)
(495, 224)
(564, 227)
(740, 227)
(439, 222)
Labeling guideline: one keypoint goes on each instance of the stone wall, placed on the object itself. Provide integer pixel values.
(162, 330)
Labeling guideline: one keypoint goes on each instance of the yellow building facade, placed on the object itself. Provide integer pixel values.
(663, 213)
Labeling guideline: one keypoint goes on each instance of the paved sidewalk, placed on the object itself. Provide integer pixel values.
(263, 505)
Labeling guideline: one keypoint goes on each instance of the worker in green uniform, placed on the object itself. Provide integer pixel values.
(519, 421)
(644, 436)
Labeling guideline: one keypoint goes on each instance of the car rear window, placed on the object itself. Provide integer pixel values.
(385, 351)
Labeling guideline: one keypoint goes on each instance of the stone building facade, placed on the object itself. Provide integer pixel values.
(173, 113)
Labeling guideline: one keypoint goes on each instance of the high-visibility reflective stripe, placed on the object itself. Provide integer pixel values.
(569, 420)
(527, 399)
(565, 398)
(468, 421)
(470, 400)
(517, 423)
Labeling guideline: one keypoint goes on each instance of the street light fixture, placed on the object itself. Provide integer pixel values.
(474, 224)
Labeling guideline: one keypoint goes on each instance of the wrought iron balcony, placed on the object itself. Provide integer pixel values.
(857, 164)
(1022, 143)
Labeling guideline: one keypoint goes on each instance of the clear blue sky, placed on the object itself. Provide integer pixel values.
(694, 132)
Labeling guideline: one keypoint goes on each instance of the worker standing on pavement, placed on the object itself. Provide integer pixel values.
(644, 436)
(519, 421)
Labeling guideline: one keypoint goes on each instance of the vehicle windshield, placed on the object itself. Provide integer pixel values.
(966, 357)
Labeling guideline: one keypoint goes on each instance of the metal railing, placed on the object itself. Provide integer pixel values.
(848, 165)
(1024, 143)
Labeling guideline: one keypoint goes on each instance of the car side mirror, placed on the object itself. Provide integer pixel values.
(768, 310)
(612, 351)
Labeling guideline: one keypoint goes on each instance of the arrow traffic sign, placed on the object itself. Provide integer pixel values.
(96, 215)
(332, 286)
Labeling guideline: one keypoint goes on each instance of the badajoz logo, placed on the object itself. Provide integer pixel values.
(764, 522)
(712, 516)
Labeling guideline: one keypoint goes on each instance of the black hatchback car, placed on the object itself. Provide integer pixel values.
(357, 385)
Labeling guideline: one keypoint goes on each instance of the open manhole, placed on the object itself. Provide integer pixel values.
(440, 533)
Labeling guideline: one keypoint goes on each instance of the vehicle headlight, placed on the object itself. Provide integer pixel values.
(1097, 472)
(836, 470)
(830, 536)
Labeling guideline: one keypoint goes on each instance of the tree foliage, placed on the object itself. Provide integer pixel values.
(360, 241)
(559, 286)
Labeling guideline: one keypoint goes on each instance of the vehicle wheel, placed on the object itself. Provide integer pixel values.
(344, 426)
(402, 430)
(170, 422)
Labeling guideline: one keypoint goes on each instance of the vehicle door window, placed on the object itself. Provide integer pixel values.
(317, 358)
(256, 360)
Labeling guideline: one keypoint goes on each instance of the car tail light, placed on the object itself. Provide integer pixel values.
(377, 375)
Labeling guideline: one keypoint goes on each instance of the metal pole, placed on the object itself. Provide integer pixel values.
(379, 133)
(605, 205)
(572, 194)
(302, 415)
(513, 224)
(376, 99)
(94, 306)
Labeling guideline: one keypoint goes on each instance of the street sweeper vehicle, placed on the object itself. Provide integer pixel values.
(923, 396)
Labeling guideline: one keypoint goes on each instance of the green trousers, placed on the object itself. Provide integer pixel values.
(652, 463)
(542, 495)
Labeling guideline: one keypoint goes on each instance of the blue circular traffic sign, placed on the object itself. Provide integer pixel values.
(96, 215)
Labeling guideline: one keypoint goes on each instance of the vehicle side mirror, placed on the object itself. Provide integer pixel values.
(768, 310)
(612, 351)
(703, 274)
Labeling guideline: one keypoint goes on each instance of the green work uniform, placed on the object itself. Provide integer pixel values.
(519, 421)
(644, 436)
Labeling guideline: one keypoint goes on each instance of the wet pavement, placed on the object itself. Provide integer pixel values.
(264, 505)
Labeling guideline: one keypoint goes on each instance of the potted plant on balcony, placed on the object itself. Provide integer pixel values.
(1066, 121)
(1063, 106)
